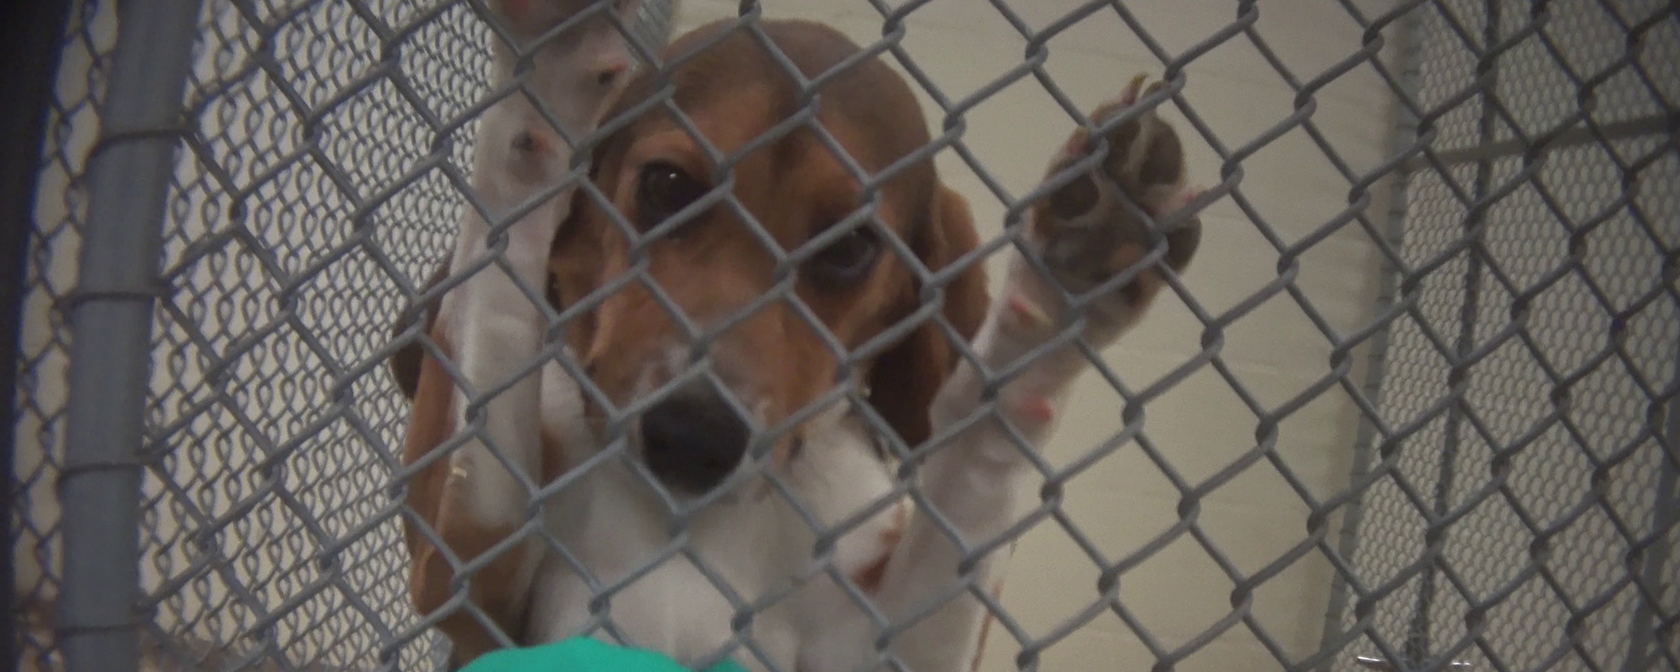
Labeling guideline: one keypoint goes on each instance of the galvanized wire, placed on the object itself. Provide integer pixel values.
(1540, 430)
(1514, 487)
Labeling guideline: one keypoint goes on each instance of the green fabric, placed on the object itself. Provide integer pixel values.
(582, 654)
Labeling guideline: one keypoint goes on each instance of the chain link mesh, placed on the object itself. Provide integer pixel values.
(55, 239)
(1514, 504)
(1522, 488)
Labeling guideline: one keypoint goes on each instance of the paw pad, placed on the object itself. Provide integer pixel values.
(1088, 231)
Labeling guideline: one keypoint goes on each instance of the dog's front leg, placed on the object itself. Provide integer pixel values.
(979, 481)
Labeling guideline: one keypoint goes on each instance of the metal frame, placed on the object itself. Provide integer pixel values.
(110, 318)
(123, 459)
(1349, 620)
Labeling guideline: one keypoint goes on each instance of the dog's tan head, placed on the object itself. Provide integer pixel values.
(711, 262)
(714, 265)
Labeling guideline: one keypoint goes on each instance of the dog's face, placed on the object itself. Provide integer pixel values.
(710, 261)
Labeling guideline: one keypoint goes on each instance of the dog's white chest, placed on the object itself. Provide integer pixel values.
(683, 599)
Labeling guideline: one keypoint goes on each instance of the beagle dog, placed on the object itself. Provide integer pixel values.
(818, 481)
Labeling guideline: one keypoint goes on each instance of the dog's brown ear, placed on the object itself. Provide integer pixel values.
(405, 362)
(906, 378)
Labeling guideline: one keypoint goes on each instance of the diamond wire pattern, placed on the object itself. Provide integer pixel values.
(53, 246)
(1575, 321)
(309, 179)
(263, 540)
(271, 481)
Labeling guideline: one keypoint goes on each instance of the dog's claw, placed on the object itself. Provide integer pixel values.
(1129, 95)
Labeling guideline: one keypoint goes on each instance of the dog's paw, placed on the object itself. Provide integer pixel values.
(1086, 232)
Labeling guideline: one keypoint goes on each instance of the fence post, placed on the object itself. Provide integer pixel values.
(1418, 639)
(110, 316)
(1407, 60)
(1644, 643)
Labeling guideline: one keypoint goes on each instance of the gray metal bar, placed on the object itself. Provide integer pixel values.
(1665, 517)
(1574, 137)
(1405, 135)
(1417, 640)
(31, 48)
(110, 319)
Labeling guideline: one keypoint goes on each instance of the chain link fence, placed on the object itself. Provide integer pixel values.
(1512, 503)
(1521, 504)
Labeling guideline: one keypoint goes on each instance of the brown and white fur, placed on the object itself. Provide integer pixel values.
(565, 61)
(722, 522)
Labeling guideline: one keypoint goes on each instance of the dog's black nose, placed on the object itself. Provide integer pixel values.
(694, 439)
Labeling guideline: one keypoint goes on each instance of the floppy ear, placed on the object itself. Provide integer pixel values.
(906, 378)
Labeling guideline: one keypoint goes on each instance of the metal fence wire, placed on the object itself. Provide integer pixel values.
(1512, 502)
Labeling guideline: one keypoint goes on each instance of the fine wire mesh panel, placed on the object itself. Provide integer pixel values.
(268, 534)
(268, 538)
(1533, 375)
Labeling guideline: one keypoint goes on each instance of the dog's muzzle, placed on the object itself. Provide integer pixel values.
(693, 439)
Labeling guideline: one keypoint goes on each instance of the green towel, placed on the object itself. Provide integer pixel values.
(582, 654)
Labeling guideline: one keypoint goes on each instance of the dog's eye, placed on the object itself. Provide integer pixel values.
(662, 190)
(845, 260)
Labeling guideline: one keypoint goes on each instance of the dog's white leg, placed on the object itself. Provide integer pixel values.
(979, 481)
